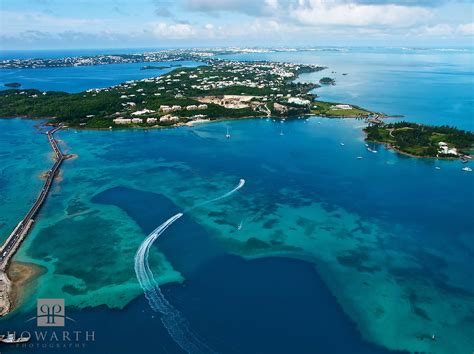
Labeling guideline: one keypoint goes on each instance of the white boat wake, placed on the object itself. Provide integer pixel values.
(175, 323)
(228, 194)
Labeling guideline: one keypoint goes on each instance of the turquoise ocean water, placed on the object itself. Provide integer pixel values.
(319, 252)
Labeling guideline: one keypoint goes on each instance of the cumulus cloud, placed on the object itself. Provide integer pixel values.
(446, 30)
(422, 3)
(441, 29)
(466, 29)
(320, 12)
(174, 30)
(253, 30)
(15, 21)
(245, 22)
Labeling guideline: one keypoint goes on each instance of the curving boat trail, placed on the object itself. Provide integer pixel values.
(175, 323)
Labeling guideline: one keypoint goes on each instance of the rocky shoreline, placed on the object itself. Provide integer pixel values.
(5, 289)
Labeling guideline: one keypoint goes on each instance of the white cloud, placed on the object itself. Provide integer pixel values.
(466, 29)
(438, 30)
(272, 4)
(249, 22)
(16, 21)
(174, 30)
(322, 12)
(447, 30)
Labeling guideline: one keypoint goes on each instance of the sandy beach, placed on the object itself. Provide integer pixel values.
(22, 277)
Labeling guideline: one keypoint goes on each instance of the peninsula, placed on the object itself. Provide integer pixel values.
(423, 140)
(166, 55)
(220, 89)
(217, 89)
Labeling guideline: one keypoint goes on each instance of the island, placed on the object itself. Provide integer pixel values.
(154, 67)
(220, 89)
(420, 140)
(12, 84)
(224, 89)
(327, 81)
(166, 55)
(160, 56)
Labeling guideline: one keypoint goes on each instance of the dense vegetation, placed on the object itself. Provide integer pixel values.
(420, 140)
(181, 86)
(60, 105)
(271, 85)
(327, 81)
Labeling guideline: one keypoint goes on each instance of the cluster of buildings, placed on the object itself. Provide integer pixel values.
(151, 120)
(193, 107)
(228, 101)
(142, 112)
(122, 120)
(201, 54)
(269, 79)
(225, 74)
(299, 101)
(246, 74)
(446, 150)
(164, 55)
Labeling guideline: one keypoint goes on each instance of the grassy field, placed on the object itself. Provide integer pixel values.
(325, 109)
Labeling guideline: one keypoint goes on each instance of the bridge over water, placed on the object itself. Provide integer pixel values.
(13, 242)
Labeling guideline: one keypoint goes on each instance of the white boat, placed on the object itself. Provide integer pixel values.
(228, 134)
(467, 169)
(438, 168)
(11, 339)
(360, 157)
(342, 144)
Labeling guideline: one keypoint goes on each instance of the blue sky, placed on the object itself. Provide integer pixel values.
(51, 24)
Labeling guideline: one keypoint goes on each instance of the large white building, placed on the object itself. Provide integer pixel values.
(122, 120)
(298, 101)
(145, 111)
